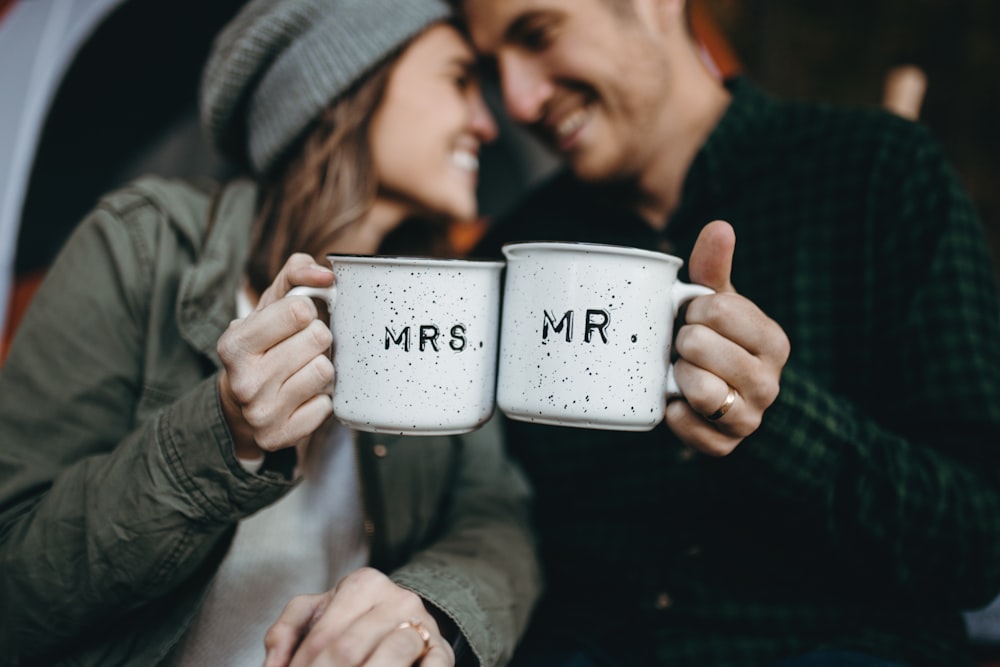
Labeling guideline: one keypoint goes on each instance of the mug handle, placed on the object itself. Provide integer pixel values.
(680, 294)
(327, 294)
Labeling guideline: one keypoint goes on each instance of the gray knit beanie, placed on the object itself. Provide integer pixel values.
(279, 63)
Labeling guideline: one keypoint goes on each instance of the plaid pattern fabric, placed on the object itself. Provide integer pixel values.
(865, 511)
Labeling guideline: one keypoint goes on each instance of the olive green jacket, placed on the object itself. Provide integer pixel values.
(119, 490)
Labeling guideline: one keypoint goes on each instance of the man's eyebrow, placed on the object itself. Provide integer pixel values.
(526, 23)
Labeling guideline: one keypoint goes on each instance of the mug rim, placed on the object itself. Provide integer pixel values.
(595, 248)
(415, 260)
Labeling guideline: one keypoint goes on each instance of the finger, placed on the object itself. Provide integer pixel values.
(382, 626)
(382, 605)
(270, 387)
(693, 430)
(311, 380)
(263, 329)
(379, 635)
(300, 425)
(299, 269)
(302, 351)
(355, 595)
(375, 642)
(711, 262)
(291, 626)
(405, 646)
(725, 361)
(705, 393)
(740, 320)
(439, 655)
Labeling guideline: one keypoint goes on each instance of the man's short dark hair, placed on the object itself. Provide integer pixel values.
(623, 8)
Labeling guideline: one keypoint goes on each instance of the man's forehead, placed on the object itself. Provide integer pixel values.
(491, 22)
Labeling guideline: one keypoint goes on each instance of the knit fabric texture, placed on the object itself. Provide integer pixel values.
(278, 64)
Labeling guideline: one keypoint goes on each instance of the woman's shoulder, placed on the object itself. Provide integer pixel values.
(163, 216)
(151, 203)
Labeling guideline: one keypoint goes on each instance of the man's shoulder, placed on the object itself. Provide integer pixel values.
(829, 126)
(766, 139)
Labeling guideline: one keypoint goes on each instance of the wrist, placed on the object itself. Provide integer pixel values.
(244, 446)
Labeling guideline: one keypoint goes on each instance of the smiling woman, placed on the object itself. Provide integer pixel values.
(434, 88)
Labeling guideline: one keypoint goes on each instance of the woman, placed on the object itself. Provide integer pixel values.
(170, 475)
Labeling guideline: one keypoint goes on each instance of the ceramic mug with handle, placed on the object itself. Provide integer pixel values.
(586, 334)
(414, 342)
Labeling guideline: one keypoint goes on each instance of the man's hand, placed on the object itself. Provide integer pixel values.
(275, 386)
(365, 620)
(726, 342)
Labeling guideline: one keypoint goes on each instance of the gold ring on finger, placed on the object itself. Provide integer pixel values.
(724, 408)
(425, 636)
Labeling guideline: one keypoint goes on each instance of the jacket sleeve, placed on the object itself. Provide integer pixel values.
(483, 572)
(103, 510)
(903, 471)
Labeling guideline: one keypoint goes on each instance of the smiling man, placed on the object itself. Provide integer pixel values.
(827, 494)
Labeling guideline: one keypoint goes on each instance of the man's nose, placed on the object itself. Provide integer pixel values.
(525, 87)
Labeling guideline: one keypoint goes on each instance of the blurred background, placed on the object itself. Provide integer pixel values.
(841, 51)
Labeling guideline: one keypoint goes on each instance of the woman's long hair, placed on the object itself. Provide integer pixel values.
(326, 185)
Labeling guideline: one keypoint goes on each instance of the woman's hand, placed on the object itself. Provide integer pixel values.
(276, 383)
(365, 620)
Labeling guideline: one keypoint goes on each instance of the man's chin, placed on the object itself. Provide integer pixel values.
(591, 171)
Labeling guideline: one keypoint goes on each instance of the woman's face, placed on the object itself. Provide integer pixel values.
(427, 131)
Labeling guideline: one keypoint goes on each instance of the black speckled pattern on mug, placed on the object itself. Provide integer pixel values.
(415, 343)
(585, 335)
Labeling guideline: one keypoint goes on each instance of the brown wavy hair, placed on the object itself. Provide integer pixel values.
(326, 184)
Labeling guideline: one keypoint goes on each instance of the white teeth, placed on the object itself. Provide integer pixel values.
(571, 123)
(465, 160)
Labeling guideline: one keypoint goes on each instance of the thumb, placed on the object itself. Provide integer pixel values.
(712, 257)
(299, 269)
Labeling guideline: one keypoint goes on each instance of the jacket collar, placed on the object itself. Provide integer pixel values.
(207, 299)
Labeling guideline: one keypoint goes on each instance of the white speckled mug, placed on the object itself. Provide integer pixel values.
(586, 333)
(414, 342)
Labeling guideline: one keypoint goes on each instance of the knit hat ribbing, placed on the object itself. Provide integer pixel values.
(279, 63)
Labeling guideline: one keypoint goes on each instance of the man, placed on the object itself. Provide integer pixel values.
(846, 519)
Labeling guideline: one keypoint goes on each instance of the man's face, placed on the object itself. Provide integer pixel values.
(592, 83)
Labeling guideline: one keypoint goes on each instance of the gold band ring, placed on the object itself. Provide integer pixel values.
(724, 408)
(421, 630)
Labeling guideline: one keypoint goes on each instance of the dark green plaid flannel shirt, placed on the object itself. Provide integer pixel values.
(865, 511)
